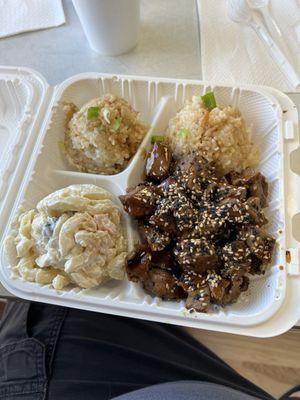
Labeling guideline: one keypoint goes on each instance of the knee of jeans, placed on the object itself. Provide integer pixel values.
(22, 360)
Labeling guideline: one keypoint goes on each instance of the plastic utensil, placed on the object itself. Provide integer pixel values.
(263, 7)
(240, 12)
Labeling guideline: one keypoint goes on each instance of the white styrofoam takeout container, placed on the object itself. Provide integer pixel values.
(32, 166)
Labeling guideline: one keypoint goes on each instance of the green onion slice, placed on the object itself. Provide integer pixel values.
(209, 100)
(183, 133)
(157, 138)
(116, 124)
(92, 112)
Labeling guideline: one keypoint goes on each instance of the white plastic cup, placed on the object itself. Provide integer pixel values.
(111, 26)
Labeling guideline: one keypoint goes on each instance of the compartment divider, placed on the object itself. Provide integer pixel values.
(79, 174)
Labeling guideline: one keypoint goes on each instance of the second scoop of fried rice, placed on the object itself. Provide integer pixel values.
(219, 135)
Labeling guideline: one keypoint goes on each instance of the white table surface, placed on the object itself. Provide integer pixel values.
(168, 46)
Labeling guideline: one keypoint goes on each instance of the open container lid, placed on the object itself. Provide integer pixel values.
(25, 102)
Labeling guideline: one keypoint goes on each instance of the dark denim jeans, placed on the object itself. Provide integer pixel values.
(55, 353)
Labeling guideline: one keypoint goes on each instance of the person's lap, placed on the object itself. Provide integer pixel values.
(97, 356)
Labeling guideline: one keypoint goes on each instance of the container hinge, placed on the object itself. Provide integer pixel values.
(293, 261)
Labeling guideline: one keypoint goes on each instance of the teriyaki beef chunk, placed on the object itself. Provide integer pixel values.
(163, 220)
(163, 284)
(196, 254)
(156, 239)
(261, 247)
(158, 162)
(255, 182)
(140, 201)
(138, 264)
